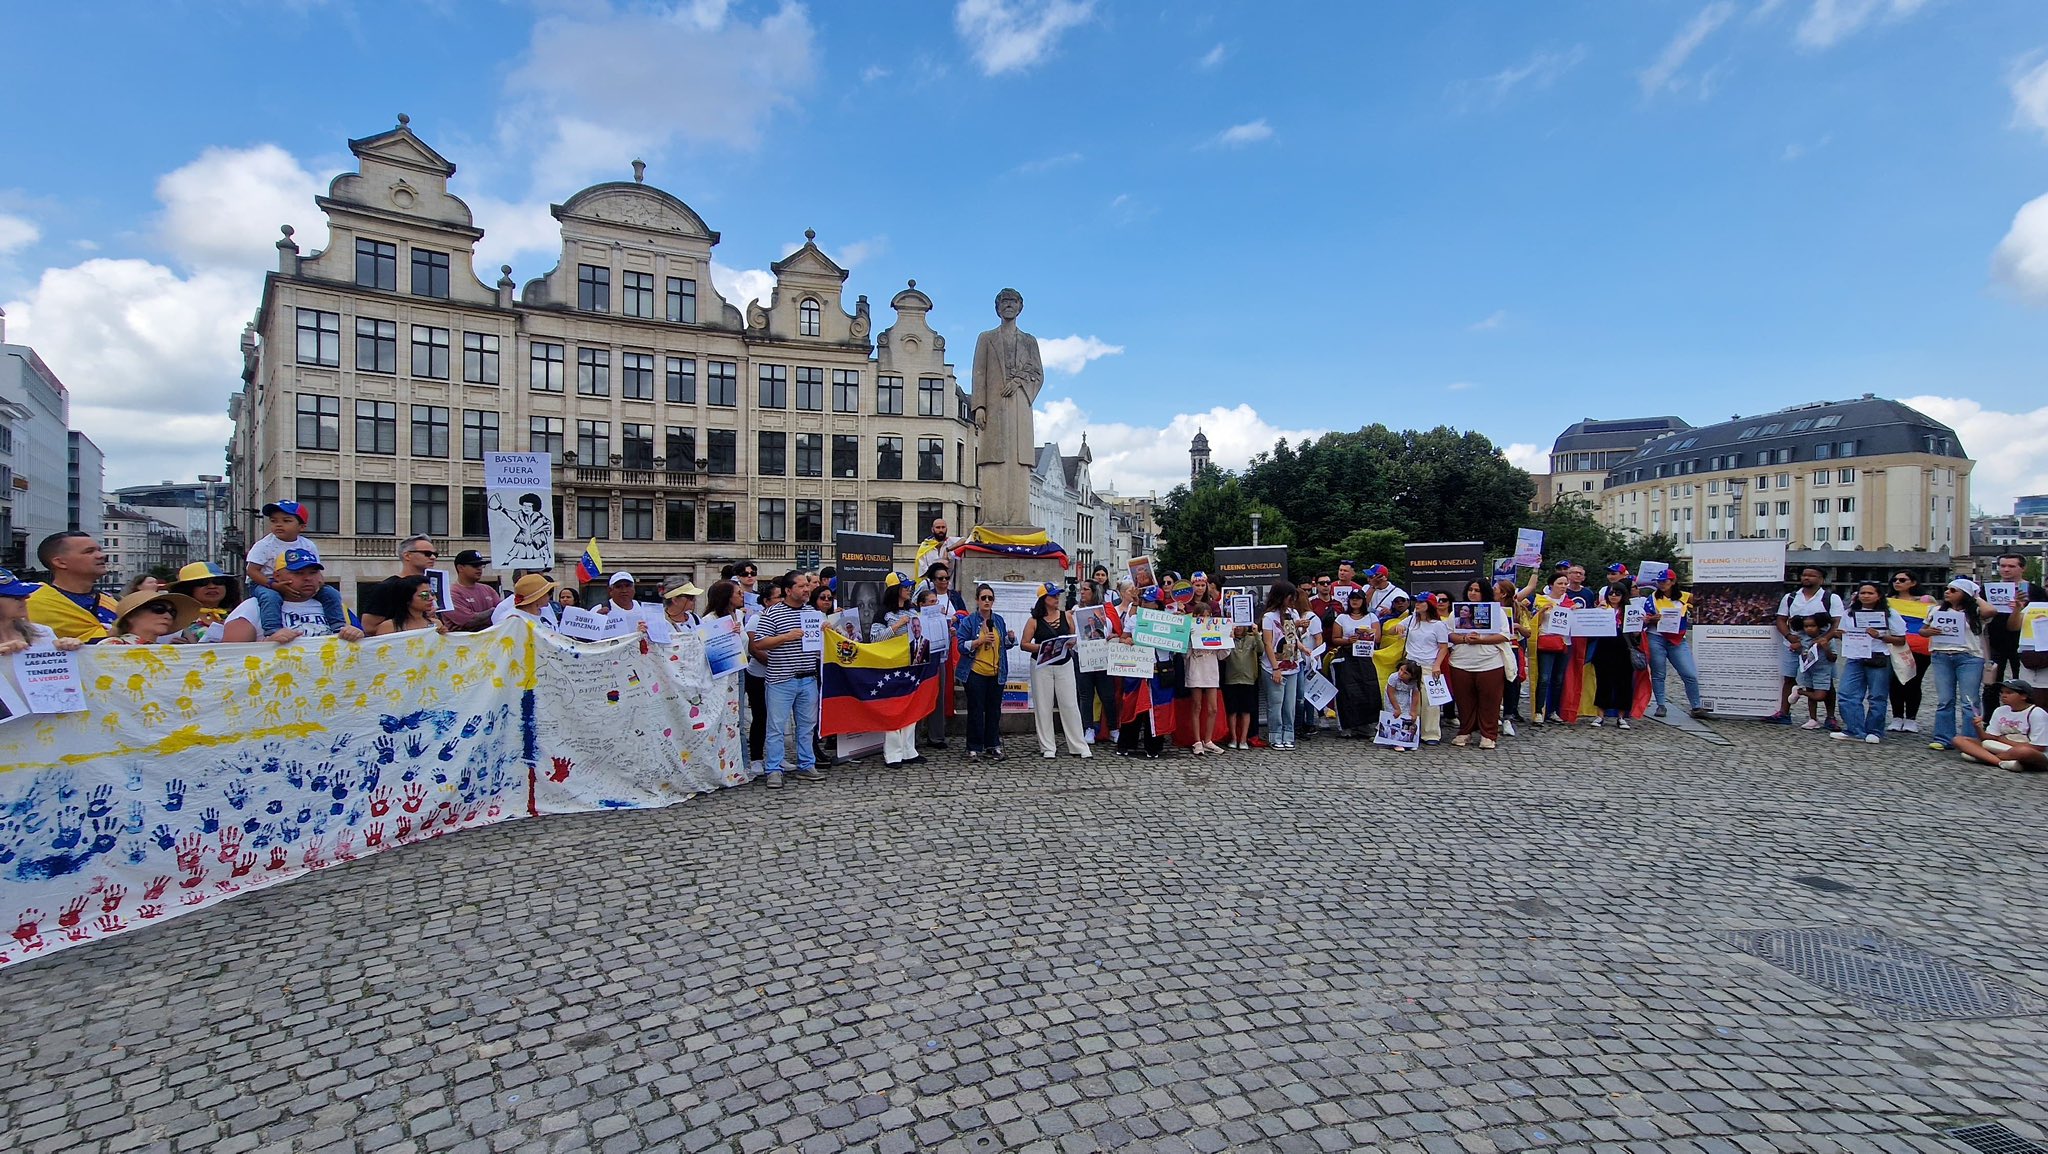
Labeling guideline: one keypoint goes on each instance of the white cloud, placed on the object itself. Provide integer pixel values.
(2008, 446)
(872, 73)
(859, 252)
(1457, 386)
(1239, 135)
(1664, 74)
(514, 229)
(1213, 57)
(738, 286)
(2021, 259)
(1142, 458)
(1522, 454)
(1830, 21)
(16, 233)
(1538, 72)
(222, 210)
(1012, 35)
(1493, 321)
(2030, 97)
(1072, 354)
(703, 77)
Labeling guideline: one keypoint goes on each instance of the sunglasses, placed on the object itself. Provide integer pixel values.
(1902, 580)
(984, 599)
(163, 607)
(749, 573)
(424, 552)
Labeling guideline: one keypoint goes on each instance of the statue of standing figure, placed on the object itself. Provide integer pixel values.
(1007, 377)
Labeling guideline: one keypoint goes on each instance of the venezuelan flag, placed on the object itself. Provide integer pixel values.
(590, 566)
(1914, 612)
(984, 536)
(879, 687)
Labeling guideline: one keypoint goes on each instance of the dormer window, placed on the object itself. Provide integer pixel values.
(808, 318)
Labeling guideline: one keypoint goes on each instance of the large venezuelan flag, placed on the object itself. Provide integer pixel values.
(1914, 612)
(876, 688)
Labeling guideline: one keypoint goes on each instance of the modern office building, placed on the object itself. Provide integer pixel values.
(50, 476)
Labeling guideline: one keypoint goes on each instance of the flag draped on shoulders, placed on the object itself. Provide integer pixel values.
(878, 687)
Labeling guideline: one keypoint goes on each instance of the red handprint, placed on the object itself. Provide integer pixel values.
(230, 843)
(192, 899)
(561, 770)
(110, 924)
(78, 934)
(241, 868)
(380, 804)
(69, 917)
(495, 810)
(197, 879)
(157, 886)
(313, 858)
(374, 836)
(110, 899)
(26, 933)
(150, 911)
(345, 846)
(404, 828)
(448, 813)
(225, 887)
(278, 857)
(415, 796)
(189, 849)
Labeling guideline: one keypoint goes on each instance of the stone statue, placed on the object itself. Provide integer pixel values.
(1007, 376)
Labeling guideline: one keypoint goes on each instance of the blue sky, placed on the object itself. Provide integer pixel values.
(1502, 217)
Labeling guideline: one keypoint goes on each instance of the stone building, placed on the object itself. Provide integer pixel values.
(1064, 500)
(137, 541)
(1584, 452)
(686, 430)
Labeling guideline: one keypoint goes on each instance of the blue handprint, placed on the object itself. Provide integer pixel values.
(101, 803)
(104, 831)
(174, 794)
(69, 828)
(165, 839)
(305, 815)
(448, 749)
(295, 774)
(252, 825)
(237, 794)
(415, 744)
(138, 852)
(209, 820)
(288, 831)
(274, 808)
(134, 824)
(387, 750)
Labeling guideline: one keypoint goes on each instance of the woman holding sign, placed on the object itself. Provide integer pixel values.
(1614, 670)
(1281, 663)
(1553, 650)
(1868, 633)
(1203, 672)
(1358, 685)
(1049, 639)
(1667, 617)
(1955, 653)
(1477, 669)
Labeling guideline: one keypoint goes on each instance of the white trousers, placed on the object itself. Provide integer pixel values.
(1052, 689)
(899, 744)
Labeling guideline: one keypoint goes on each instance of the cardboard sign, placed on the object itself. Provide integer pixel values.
(1159, 629)
(1094, 654)
(1210, 634)
(49, 681)
(2002, 595)
(1241, 612)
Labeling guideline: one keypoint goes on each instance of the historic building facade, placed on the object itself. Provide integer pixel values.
(686, 430)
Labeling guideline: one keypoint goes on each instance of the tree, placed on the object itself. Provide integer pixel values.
(1216, 511)
(1364, 547)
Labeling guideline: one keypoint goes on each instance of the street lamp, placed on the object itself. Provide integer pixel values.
(212, 547)
(1255, 527)
(1735, 489)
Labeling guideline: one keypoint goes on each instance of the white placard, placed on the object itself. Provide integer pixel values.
(1209, 634)
(1593, 623)
(1397, 732)
(1950, 622)
(1318, 691)
(1241, 610)
(1738, 668)
(1558, 622)
(1651, 572)
(813, 623)
(659, 630)
(1129, 660)
(1438, 689)
(1671, 621)
(1746, 559)
(442, 582)
(1472, 617)
(518, 490)
(1856, 645)
(49, 681)
(1091, 622)
(2002, 595)
(1632, 617)
(1361, 649)
(1809, 657)
(2036, 636)
(934, 623)
(1053, 650)
(584, 624)
(1095, 654)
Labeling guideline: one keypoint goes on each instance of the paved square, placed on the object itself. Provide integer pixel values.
(1335, 949)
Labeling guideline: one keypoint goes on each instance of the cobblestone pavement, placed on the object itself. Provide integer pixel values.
(1334, 949)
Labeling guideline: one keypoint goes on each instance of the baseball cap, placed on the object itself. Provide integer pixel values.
(2015, 685)
(469, 557)
(1198, 575)
(1618, 569)
(622, 575)
(1964, 584)
(1564, 563)
(295, 560)
(288, 508)
(894, 579)
(679, 587)
(1348, 561)
(12, 586)
(1376, 571)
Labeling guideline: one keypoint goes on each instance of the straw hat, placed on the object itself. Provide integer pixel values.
(532, 587)
(185, 609)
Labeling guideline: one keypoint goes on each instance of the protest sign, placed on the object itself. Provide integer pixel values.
(1558, 622)
(49, 681)
(1129, 660)
(583, 624)
(1091, 623)
(439, 580)
(935, 625)
(1209, 633)
(725, 645)
(519, 507)
(1053, 650)
(1444, 566)
(1397, 732)
(1318, 691)
(1437, 688)
(1809, 657)
(1159, 629)
(1632, 617)
(1241, 609)
(1094, 654)
(1652, 572)
(2001, 595)
(1472, 617)
(1142, 574)
(1528, 548)
(1593, 623)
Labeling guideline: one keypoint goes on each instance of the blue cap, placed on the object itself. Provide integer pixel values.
(12, 586)
(295, 560)
(288, 508)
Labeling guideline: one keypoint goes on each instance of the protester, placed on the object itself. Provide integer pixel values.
(67, 604)
(1667, 620)
(17, 632)
(289, 608)
(214, 591)
(2001, 638)
(1382, 593)
(1576, 592)
(791, 691)
(1281, 662)
(940, 576)
(1307, 718)
(756, 683)
(749, 576)
(622, 600)
(1476, 670)
(2028, 621)
(1553, 654)
(679, 603)
(1428, 639)
(287, 521)
(1050, 640)
(1095, 687)
(1241, 684)
(1905, 695)
(984, 665)
(566, 597)
(1405, 695)
(1202, 674)
(148, 617)
(472, 599)
(938, 547)
(143, 582)
(2016, 734)
(529, 600)
(1353, 633)
(1809, 599)
(1866, 680)
(1148, 707)
(402, 605)
(1815, 682)
(416, 555)
(1956, 659)
(899, 618)
(1613, 668)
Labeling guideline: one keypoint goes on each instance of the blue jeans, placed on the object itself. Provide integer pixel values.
(1550, 671)
(798, 695)
(1862, 698)
(1958, 680)
(1281, 701)
(1679, 654)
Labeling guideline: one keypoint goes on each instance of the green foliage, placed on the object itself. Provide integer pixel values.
(1216, 511)
(1363, 546)
(1570, 531)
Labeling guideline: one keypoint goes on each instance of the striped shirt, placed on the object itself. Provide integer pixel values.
(787, 660)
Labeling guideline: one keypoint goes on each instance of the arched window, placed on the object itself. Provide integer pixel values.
(808, 315)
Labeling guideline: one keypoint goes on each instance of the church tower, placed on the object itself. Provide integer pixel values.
(1198, 456)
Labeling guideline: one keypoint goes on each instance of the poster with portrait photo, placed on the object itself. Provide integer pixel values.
(1472, 616)
(1143, 574)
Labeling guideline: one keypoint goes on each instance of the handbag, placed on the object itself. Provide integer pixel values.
(1637, 659)
(1903, 667)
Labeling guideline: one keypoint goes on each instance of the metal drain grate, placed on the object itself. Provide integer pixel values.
(1824, 883)
(1887, 977)
(1992, 1138)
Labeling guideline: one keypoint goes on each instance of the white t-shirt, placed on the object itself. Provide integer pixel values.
(1799, 604)
(304, 616)
(508, 608)
(1272, 623)
(264, 553)
(1425, 639)
(1379, 601)
(2029, 725)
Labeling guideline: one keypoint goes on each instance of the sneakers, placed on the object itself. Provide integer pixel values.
(754, 767)
(1657, 710)
(2012, 766)
(1871, 739)
(808, 775)
(1813, 723)
(1507, 728)
(1967, 759)
(1598, 722)
(1909, 726)
(1839, 736)
(1621, 722)
(1540, 719)
(1939, 746)
(1895, 725)
(974, 755)
(1461, 741)
(1049, 754)
(1701, 712)
(775, 780)
(996, 754)
(1488, 743)
(1556, 718)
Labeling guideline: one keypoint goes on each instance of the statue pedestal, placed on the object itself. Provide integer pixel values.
(976, 567)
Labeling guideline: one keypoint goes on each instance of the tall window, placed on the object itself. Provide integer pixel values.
(319, 338)
(593, 442)
(480, 358)
(429, 353)
(721, 451)
(810, 520)
(1846, 476)
(476, 522)
(774, 525)
(639, 295)
(376, 346)
(771, 451)
(1820, 505)
(774, 386)
(810, 454)
(636, 446)
(479, 434)
(636, 376)
(429, 431)
(593, 288)
(722, 383)
(808, 318)
(546, 367)
(593, 372)
(322, 500)
(931, 459)
(636, 514)
(376, 427)
(846, 390)
(931, 397)
(544, 435)
(721, 521)
(376, 509)
(846, 516)
(682, 381)
(889, 519)
(594, 517)
(1847, 505)
(845, 456)
(376, 264)
(889, 396)
(430, 510)
(680, 520)
(430, 277)
(319, 422)
(810, 388)
(927, 512)
(682, 300)
(680, 448)
(889, 458)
